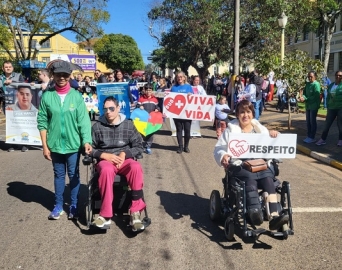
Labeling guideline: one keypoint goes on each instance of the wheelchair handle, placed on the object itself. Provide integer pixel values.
(87, 160)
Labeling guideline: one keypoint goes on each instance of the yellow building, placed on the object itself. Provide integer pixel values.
(58, 47)
(309, 42)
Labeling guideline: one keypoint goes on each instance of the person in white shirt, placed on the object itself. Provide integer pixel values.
(200, 89)
(221, 114)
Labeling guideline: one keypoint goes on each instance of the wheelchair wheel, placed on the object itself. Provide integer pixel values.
(215, 205)
(229, 229)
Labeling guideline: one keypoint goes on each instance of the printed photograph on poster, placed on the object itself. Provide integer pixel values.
(21, 115)
(246, 145)
(119, 91)
(193, 107)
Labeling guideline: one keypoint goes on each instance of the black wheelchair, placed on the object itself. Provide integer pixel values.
(122, 196)
(232, 206)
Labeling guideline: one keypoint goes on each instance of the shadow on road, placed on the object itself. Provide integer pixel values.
(31, 193)
(178, 205)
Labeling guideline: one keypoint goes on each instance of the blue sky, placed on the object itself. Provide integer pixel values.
(129, 17)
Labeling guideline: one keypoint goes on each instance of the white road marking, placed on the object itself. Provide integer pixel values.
(316, 209)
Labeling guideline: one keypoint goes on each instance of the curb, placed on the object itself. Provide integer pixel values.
(318, 156)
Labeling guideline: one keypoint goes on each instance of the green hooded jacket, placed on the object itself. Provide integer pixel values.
(311, 95)
(334, 98)
(68, 125)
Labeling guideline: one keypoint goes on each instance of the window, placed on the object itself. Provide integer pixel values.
(331, 63)
(33, 43)
(305, 34)
(216, 69)
(340, 60)
(46, 59)
(298, 37)
(289, 40)
(46, 44)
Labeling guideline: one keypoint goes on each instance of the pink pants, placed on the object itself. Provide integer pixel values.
(132, 170)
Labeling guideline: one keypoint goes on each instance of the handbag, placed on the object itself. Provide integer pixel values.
(255, 165)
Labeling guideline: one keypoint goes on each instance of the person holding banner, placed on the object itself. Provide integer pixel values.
(65, 129)
(6, 79)
(182, 124)
(149, 103)
(244, 123)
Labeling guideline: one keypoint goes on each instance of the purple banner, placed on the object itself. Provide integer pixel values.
(87, 62)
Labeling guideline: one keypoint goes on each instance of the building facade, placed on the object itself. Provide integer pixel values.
(309, 42)
(57, 45)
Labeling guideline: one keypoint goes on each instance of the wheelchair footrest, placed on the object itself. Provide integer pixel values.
(146, 221)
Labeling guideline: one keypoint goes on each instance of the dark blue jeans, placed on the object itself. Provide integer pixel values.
(329, 120)
(63, 163)
(311, 123)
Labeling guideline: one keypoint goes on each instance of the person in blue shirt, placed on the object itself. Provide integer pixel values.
(182, 124)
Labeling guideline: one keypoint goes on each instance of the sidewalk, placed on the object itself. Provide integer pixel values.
(330, 153)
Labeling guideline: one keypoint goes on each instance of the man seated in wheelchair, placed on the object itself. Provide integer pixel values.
(115, 144)
(244, 123)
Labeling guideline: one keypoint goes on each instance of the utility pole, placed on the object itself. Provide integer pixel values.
(236, 63)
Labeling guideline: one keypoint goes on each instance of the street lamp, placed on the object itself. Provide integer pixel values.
(282, 23)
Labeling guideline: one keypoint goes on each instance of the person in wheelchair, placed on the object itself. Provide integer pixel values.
(244, 123)
(115, 143)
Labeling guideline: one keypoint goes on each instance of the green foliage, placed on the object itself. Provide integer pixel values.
(82, 17)
(119, 51)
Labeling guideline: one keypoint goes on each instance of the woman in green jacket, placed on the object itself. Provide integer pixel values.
(334, 105)
(311, 97)
(65, 129)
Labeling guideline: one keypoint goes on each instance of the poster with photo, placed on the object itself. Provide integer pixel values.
(21, 114)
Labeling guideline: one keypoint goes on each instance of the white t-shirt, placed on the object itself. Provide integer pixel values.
(219, 113)
(62, 96)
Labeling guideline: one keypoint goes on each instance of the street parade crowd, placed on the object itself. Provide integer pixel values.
(115, 142)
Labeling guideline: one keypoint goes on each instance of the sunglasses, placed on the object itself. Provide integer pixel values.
(112, 109)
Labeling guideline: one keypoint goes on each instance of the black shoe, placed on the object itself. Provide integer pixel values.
(139, 156)
(256, 216)
(186, 150)
(179, 150)
(278, 221)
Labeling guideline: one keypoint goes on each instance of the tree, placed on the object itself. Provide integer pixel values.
(295, 69)
(119, 51)
(31, 17)
(198, 35)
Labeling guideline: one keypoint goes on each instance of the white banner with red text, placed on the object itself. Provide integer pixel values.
(251, 145)
(189, 106)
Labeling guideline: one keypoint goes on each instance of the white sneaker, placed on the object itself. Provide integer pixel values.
(100, 222)
(136, 223)
(321, 142)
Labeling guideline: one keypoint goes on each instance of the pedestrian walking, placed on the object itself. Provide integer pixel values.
(311, 97)
(334, 109)
(65, 129)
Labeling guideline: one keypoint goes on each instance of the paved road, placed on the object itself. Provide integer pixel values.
(177, 190)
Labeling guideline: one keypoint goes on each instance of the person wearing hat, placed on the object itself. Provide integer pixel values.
(65, 130)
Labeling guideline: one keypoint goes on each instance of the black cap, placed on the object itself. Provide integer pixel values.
(60, 66)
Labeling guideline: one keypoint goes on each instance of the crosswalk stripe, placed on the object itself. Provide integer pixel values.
(316, 209)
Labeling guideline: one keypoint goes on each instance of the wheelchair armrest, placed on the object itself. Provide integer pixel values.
(87, 160)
